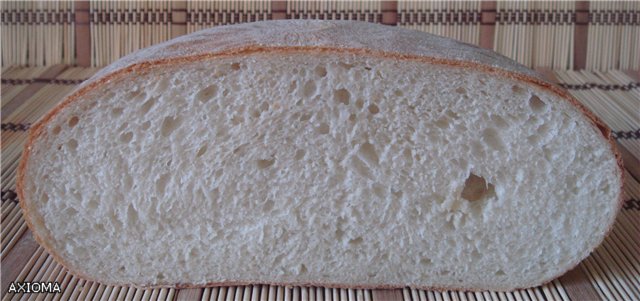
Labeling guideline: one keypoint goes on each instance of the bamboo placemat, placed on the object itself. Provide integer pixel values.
(596, 35)
(454, 19)
(612, 272)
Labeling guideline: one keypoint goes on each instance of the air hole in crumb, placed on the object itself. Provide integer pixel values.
(500, 273)
(323, 129)
(379, 191)
(72, 144)
(321, 71)
(309, 89)
(160, 276)
(533, 139)
(537, 105)
(122, 268)
(491, 138)
(117, 112)
(451, 114)
(239, 150)
(352, 117)
(293, 86)
(235, 66)
(163, 84)
(305, 117)
(73, 121)
(207, 93)
(220, 132)
(56, 130)
(299, 154)
(303, 269)
(517, 89)
(146, 106)
(264, 107)
(398, 93)
(544, 129)
(278, 260)
(45, 198)
(194, 253)
(373, 109)
(426, 261)
(499, 121)
(99, 228)
(346, 65)
(359, 103)
(146, 125)
(123, 126)
(169, 124)
(126, 137)
(532, 121)
(268, 205)
(475, 254)
(127, 182)
(442, 122)
(476, 188)
(342, 96)
(139, 96)
(461, 90)
(161, 184)
(264, 163)
(132, 215)
(201, 151)
(368, 153)
(361, 168)
(408, 156)
(356, 241)
(237, 119)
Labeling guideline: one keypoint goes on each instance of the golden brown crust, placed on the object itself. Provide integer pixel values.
(38, 129)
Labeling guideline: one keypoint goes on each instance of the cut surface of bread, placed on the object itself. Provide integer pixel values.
(318, 166)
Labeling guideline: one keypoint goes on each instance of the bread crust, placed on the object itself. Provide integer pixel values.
(172, 53)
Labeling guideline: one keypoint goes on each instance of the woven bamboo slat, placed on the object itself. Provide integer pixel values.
(614, 35)
(458, 20)
(121, 27)
(37, 33)
(13, 88)
(369, 11)
(535, 33)
(206, 14)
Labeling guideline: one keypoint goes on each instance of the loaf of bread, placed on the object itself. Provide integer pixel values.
(341, 154)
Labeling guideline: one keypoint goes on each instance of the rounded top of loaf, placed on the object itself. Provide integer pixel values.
(310, 34)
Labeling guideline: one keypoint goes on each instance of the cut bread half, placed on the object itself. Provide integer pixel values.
(325, 153)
